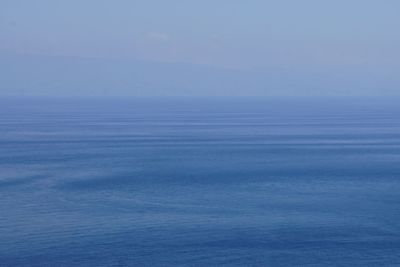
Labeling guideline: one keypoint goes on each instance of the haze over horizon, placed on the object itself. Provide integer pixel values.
(207, 48)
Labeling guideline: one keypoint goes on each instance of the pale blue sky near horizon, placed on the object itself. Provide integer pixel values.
(254, 42)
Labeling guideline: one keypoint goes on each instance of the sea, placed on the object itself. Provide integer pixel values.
(167, 181)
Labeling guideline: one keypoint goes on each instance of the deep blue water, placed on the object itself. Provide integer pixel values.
(180, 182)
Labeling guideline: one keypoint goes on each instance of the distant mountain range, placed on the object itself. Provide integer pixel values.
(58, 76)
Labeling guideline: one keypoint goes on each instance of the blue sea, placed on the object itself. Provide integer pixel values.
(199, 182)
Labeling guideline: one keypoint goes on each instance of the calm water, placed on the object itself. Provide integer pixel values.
(180, 182)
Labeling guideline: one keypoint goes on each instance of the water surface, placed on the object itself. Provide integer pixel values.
(180, 182)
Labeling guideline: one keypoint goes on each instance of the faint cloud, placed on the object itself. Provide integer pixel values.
(157, 36)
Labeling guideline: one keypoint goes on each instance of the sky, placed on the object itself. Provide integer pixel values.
(208, 47)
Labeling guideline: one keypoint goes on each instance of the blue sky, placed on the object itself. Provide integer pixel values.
(352, 37)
